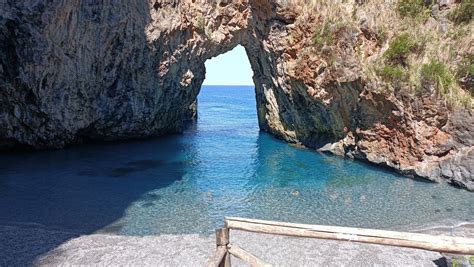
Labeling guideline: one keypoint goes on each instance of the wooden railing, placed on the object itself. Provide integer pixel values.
(447, 244)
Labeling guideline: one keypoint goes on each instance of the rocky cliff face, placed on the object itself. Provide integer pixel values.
(72, 71)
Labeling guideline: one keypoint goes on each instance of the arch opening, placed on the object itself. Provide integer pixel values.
(228, 85)
(229, 69)
(227, 95)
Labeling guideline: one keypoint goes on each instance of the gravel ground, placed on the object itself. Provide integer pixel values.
(31, 244)
(193, 250)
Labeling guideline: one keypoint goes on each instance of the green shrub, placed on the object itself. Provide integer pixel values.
(458, 32)
(466, 101)
(392, 73)
(381, 37)
(465, 67)
(465, 73)
(439, 74)
(400, 48)
(463, 13)
(415, 9)
(201, 24)
(323, 35)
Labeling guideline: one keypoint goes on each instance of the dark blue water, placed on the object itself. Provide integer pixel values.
(222, 166)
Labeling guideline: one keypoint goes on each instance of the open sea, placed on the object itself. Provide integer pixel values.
(221, 166)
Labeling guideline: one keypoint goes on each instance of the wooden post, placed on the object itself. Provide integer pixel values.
(222, 240)
(222, 237)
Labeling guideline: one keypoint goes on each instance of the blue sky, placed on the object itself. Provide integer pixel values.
(231, 68)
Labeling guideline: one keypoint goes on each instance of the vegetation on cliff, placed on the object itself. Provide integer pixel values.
(397, 46)
(416, 9)
(463, 13)
(400, 48)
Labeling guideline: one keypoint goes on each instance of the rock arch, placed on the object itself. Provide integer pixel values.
(80, 70)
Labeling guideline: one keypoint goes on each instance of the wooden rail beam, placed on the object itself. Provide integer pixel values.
(246, 256)
(457, 245)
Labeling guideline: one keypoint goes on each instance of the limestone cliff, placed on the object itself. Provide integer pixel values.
(72, 71)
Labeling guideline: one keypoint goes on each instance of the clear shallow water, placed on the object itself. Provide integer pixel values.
(222, 166)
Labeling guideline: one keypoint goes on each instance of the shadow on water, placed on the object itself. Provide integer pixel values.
(49, 197)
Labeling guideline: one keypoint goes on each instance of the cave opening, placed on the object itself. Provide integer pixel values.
(227, 96)
(229, 69)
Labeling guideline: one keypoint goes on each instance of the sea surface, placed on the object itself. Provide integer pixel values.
(221, 166)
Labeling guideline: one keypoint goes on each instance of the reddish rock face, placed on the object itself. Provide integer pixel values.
(77, 71)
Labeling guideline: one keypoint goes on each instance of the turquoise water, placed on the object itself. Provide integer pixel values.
(221, 166)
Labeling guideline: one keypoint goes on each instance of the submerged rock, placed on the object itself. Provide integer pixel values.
(77, 71)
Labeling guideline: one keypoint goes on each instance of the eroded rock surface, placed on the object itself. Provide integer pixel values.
(72, 71)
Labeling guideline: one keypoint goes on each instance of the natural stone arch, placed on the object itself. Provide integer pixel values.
(226, 25)
(133, 79)
(131, 69)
